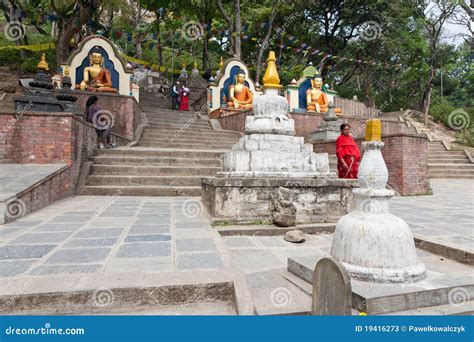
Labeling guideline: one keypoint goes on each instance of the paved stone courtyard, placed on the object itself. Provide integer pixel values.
(109, 234)
(85, 237)
(446, 217)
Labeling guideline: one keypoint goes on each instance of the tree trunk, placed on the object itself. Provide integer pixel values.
(426, 99)
(159, 47)
(66, 32)
(237, 31)
(264, 44)
(205, 52)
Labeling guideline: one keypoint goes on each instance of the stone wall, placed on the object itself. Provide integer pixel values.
(48, 138)
(248, 200)
(127, 112)
(406, 157)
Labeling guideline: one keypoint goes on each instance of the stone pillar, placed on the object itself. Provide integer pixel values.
(372, 244)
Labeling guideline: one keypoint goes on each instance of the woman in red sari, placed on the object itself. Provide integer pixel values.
(184, 102)
(348, 154)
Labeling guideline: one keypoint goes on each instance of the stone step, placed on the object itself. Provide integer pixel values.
(185, 138)
(141, 190)
(127, 170)
(186, 146)
(158, 161)
(178, 126)
(437, 149)
(165, 133)
(455, 167)
(448, 160)
(443, 153)
(181, 129)
(448, 175)
(187, 143)
(441, 310)
(161, 152)
(95, 180)
(192, 121)
(167, 112)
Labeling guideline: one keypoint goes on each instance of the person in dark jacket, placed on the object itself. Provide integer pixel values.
(102, 120)
(175, 90)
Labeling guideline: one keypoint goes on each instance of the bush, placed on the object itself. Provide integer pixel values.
(440, 111)
(466, 136)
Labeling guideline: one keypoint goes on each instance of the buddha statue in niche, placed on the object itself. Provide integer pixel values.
(96, 77)
(316, 99)
(240, 95)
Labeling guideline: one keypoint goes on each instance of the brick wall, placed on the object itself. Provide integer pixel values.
(307, 123)
(234, 121)
(48, 138)
(405, 155)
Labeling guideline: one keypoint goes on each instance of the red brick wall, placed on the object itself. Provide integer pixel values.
(405, 156)
(38, 139)
(48, 138)
(234, 122)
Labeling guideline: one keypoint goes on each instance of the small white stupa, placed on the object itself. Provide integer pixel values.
(372, 244)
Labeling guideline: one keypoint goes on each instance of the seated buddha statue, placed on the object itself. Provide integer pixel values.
(240, 96)
(96, 77)
(316, 99)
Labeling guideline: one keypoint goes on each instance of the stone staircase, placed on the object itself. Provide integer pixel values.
(448, 164)
(174, 152)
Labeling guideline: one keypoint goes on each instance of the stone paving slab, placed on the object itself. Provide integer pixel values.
(445, 217)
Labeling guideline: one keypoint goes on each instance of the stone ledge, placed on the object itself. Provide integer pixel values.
(271, 230)
(279, 182)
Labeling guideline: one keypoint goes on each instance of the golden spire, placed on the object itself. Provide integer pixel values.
(373, 130)
(66, 70)
(271, 78)
(43, 65)
(221, 63)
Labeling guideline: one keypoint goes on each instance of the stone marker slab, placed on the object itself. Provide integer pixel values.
(332, 292)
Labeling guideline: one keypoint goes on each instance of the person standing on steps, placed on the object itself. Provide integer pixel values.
(348, 154)
(102, 121)
(175, 90)
(184, 101)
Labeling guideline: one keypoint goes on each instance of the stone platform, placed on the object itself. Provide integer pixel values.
(248, 199)
(445, 283)
(18, 182)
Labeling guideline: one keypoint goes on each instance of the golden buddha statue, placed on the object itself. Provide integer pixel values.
(316, 99)
(96, 76)
(239, 94)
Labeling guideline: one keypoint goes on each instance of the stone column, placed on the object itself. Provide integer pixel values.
(372, 244)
